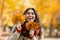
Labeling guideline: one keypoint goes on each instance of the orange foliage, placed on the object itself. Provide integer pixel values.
(31, 25)
(18, 17)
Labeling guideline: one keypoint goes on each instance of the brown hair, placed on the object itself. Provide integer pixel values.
(36, 18)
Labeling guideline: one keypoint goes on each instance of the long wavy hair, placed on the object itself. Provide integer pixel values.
(36, 17)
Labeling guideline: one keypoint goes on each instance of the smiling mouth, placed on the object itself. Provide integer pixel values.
(30, 17)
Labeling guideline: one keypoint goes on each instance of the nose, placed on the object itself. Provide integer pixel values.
(30, 14)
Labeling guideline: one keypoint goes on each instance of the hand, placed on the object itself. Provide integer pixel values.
(18, 27)
(31, 33)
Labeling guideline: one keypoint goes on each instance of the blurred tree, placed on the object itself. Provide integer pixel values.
(55, 15)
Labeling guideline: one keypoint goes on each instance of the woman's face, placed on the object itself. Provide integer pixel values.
(30, 15)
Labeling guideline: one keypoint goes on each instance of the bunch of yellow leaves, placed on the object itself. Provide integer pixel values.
(18, 18)
(30, 25)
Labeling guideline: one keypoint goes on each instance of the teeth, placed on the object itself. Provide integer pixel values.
(30, 17)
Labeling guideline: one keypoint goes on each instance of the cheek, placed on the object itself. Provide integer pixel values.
(26, 16)
(33, 16)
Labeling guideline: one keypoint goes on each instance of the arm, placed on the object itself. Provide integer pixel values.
(16, 31)
(13, 29)
(41, 36)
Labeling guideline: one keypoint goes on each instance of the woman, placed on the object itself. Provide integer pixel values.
(31, 15)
